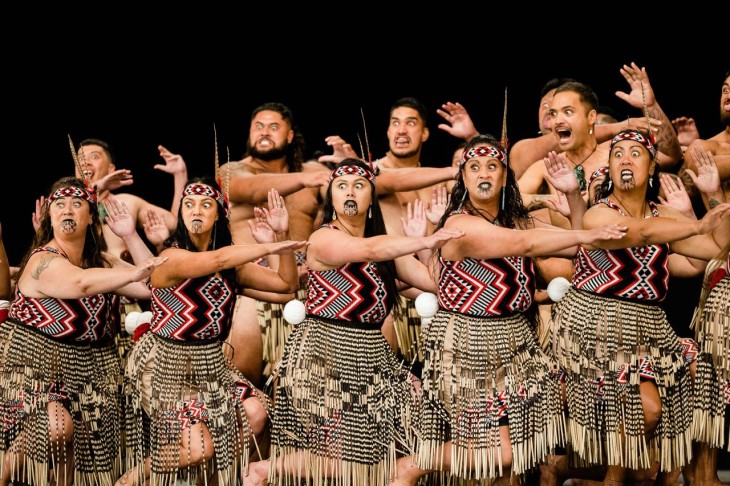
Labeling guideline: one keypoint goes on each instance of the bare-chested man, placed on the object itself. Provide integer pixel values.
(274, 159)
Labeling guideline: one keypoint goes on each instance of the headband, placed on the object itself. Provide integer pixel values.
(74, 191)
(198, 189)
(484, 151)
(637, 136)
(601, 171)
(355, 170)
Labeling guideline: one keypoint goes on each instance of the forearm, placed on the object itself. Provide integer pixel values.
(255, 189)
(137, 248)
(577, 206)
(411, 179)
(179, 181)
(92, 281)
(667, 141)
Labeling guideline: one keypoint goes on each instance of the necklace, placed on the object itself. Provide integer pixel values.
(481, 215)
(621, 203)
(342, 226)
(579, 171)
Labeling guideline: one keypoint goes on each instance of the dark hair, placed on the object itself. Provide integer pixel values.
(374, 226)
(101, 143)
(607, 110)
(512, 214)
(221, 231)
(587, 96)
(94, 243)
(412, 103)
(295, 150)
(553, 84)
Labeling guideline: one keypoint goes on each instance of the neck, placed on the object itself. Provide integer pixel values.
(633, 207)
(72, 250)
(273, 166)
(582, 153)
(350, 227)
(400, 162)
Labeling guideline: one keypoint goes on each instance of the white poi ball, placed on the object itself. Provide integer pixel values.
(427, 304)
(294, 311)
(145, 317)
(132, 321)
(557, 288)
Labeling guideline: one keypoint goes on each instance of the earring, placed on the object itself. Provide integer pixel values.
(503, 200)
(590, 131)
(334, 216)
(370, 212)
(610, 185)
(651, 184)
(463, 198)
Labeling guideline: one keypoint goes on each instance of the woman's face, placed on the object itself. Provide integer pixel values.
(484, 177)
(199, 213)
(351, 195)
(630, 165)
(69, 215)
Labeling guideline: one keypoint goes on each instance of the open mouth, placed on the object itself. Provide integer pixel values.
(563, 134)
(350, 208)
(626, 175)
(485, 186)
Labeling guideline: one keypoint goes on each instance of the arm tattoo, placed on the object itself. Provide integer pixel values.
(42, 265)
(713, 203)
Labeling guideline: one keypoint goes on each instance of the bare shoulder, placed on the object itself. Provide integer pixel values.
(238, 167)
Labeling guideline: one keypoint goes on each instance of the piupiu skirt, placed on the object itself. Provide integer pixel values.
(344, 406)
(35, 370)
(481, 373)
(606, 347)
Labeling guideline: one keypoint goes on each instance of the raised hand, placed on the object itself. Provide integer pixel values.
(260, 229)
(558, 202)
(38, 213)
(440, 199)
(277, 216)
(559, 174)
(155, 229)
(686, 130)
(676, 195)
(118, 217)
(415, 224)
(459, 123)
(114, 180)
(641, 91)
(174, 163)
(707, 178)
(341, 150)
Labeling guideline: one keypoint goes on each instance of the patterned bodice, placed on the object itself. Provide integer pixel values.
(494, 287)
(354, 292)
(637, 273)
(83, 320)
(197, 309)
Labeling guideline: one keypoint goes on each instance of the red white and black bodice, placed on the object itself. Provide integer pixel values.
(637, 273)
(83, 320)
(354, 292)
(486, 288)
(196, 309)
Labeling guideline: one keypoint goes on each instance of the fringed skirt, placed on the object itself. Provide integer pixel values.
(36, 370)
(712, 380)
(479, 374)
(606, 347)
(172, 386)
(408, 331)
(274, 329)
(343, 407)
